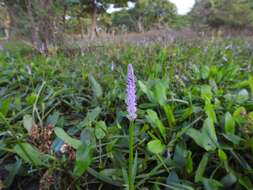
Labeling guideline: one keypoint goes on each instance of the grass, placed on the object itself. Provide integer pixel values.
(63, 119)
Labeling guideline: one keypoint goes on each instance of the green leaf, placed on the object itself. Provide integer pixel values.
(31, 99)
(100, 130)
(189, 162)
(156, 147)
(104, 178)
(30, 154)
(4, 106)
(180, 155)
(250, 115)
(66, 138)
(222, 155)
(209, 109)
(229, 180)
(206, 138)
(206, 93)
(53, 119)
(147, 91)
(96, 87)
(87, 137)
(169, 114)
(90, 118)
(83, 160)
(156, 122)
(160, 92)
(201, 168)
(242, 96)
(233, 138)
(229, 124)
(204, 71)
(211, 184)
(246, 182)
(13, 170)
(239, 115)
(28, 122)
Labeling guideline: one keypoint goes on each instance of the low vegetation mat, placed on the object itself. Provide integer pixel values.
(64, 125)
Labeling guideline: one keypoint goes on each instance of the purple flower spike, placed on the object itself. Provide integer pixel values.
(131, 96)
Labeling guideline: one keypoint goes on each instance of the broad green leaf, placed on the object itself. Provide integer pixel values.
(160, 92)
(211, 184)
(28, 122)
(250, 115)
(204, 71)
(53, 119)
(83, 160)
(209, 131)
(4, 106)
(66, 138)
(87, 137)
(233, 138)
(246, 182)
(30, 154)
(206, 93)
(96, 87)
(156, 122)
(239, 115)
(157, 93)
(229, 180)
(156, 146)
(104, 178)
(180, 155)
(90, 117)
(229, 124)
(201, 168)
(13, 170)
(147, 91)
(222, 155)
(169, 114)
(206, 138)
(189, 162)
(31, 99)
(242, 96)
(209, 109)
(100, 130)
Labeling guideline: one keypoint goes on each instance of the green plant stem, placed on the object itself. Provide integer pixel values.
(131, 156)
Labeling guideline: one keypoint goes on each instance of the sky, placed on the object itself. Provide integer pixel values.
(183, 6)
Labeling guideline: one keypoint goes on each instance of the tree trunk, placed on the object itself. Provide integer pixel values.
(81, 26)
(46, 28)
(64, 17)
(94, 20)
(34, 35)
(12, 28)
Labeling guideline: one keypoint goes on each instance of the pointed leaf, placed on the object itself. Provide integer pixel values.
(66, 138)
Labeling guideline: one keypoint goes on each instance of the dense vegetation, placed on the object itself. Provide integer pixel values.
(63, 119)
(223, 13)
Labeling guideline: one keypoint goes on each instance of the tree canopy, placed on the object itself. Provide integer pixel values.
(228, 13)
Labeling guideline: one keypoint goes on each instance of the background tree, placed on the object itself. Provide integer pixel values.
(217, 13)
(146, 14)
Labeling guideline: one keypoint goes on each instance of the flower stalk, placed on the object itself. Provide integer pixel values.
(131, 109)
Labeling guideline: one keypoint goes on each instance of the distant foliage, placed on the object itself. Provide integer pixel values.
(145, 15)
(228, 13)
